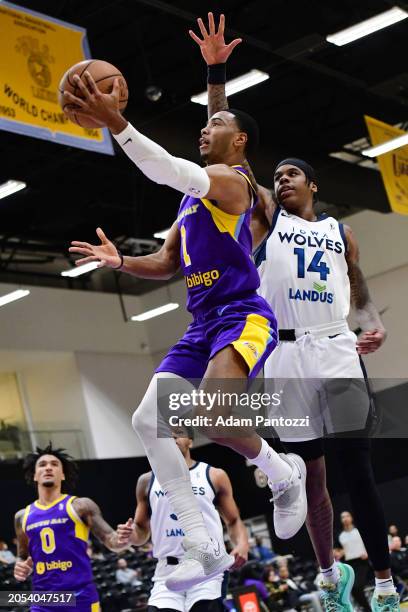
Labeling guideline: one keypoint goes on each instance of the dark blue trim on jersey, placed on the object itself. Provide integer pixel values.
(152, 477)
(343, 236)
(193, 467)
(207, 473)
(260, 252)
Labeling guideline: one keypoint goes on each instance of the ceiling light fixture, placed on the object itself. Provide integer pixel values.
(253, 77)
(92, 265)
(14, 295)
(386, 147)
(10, 187)
(368, 26)
(155, 312)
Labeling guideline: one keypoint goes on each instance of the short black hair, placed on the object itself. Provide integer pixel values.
(306, 168)
(69, 466)
(184, 431)
(247, 124)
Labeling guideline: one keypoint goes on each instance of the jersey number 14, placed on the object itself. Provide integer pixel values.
(316, 265)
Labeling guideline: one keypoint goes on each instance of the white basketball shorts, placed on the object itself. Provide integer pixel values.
(321, 385)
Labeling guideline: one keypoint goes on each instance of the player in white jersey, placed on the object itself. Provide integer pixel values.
(309, 269)
(155, 517)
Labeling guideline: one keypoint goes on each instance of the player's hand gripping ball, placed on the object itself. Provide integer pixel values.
(104, 75)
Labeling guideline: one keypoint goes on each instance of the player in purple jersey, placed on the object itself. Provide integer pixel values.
(295, 188)
(233, 330)
(53, 531)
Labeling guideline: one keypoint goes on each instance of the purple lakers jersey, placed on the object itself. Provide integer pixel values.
(216, 252)
(57, 544)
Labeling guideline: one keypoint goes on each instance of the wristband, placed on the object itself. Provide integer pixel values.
(121, 261)
(217, 74)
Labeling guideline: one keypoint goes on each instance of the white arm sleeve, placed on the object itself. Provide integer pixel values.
(161, 167)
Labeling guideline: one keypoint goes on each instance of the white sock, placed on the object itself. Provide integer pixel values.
(168, 463)
(331, 574)
(271, 464)
(384, 586)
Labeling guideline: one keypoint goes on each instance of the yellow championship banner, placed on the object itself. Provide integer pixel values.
(35, 52)
(393, 165)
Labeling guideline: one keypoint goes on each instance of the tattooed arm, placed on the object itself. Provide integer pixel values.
(214, 51)
(366, 314)
(90, 513)
(261, 218)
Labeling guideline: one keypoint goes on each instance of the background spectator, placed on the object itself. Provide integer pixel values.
(392, 532)
(6, 556)
(355, 555)
(289, 589)
(399, 558)
(126, 575)
(294, 595)
(259, 551)
(250, 577)
(93, 553)
(275, 589)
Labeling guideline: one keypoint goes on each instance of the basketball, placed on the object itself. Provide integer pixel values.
(103, 74)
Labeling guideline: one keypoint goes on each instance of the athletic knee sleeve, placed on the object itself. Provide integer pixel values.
(144, 418)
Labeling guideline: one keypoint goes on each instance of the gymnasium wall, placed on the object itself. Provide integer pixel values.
(92, 394)
(51, 391)
(113, 385)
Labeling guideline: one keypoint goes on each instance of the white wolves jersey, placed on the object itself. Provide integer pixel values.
(167, 534)
(303, 270)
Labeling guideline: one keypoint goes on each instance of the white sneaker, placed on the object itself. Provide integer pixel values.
(200, 563)
(289, 498)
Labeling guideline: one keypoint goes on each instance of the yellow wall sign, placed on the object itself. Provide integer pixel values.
(35, 51)
(393, 165)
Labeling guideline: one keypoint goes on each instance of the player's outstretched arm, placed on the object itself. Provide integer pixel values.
(24, 564)
(366, 313)
(154, 161)
(90, 513)
(161, 265)
(141, 523)
(215, 53)
(229, 511)
(141, 531)
(218, 181)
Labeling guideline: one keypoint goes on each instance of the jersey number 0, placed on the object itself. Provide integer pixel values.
(47, 540)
